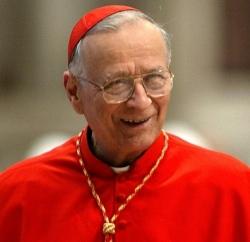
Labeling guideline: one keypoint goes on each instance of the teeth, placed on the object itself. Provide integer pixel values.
(135, 121)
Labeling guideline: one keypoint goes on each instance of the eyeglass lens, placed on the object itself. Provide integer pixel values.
(156, 84)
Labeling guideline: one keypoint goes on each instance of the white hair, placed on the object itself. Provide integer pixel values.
(113, 23)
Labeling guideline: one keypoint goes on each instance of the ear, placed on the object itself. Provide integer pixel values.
(72, 88)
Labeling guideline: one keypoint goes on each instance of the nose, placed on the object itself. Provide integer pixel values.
(139, 98)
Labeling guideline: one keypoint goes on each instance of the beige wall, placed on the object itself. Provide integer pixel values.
(33, 45)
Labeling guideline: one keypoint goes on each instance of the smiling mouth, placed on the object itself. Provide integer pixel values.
(134, 122)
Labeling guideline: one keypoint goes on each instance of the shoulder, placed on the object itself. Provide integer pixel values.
(41, 166)
(195, 153)
(204, 165)
(32, 186)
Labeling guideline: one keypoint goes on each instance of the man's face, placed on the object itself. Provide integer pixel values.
(123, 131)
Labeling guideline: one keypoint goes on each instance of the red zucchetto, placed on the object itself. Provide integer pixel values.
(88, 21)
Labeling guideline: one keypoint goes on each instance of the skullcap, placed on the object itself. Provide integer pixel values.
(88, 21)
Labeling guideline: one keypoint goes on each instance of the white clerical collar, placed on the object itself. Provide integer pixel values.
(119, 170)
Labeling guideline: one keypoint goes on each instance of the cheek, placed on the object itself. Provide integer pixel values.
(162, 104)
(98, 113)
(90, 100)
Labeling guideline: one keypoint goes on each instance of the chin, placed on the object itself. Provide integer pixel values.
(140, 142)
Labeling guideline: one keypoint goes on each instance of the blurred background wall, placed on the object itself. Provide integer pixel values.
(211, 88)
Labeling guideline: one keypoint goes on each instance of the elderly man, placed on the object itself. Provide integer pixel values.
(123, 178)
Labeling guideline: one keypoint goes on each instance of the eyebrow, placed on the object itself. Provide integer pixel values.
(122, 73)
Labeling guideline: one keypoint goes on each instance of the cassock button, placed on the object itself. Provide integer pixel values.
(121, 224)
(120, 198)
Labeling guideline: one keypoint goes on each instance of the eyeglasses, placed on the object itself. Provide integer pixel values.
(156, 84)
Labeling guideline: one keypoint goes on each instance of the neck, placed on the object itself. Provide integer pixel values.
(119, 161)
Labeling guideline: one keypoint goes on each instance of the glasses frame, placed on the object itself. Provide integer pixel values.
(135, 78)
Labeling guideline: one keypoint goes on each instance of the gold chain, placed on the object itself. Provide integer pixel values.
(109, 224)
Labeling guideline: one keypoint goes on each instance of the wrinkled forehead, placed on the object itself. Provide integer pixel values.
(132, 49)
